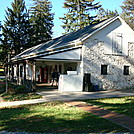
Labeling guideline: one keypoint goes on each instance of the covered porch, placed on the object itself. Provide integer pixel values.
(45, 68)
(36, 71)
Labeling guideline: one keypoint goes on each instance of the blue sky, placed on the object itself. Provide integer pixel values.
(59, 11)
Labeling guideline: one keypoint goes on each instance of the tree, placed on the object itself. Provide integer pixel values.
(41, 20)
(78, 15)
(106, 14)
(128, 12)
(0, 43)
(4, 47)
(15, 30)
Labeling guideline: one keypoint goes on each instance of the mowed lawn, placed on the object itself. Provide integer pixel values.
(54, 117)
(123, 105)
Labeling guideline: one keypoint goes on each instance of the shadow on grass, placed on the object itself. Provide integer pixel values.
(52, 118)
(123, 105)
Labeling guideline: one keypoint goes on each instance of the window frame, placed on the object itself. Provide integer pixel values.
(130, 49)
(104, 69)
(117, 43)
(126, 70)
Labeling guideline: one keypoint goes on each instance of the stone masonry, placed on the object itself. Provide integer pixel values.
(94, 56)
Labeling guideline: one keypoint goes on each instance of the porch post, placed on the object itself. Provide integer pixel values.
(8, 67)
(17, 73)
(34, 76)
(12, 72)
(6, 74)
(24, 73)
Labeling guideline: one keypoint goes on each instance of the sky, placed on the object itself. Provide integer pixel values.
(59, 11)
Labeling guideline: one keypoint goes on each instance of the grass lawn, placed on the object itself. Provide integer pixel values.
(123, 105)
(53, 117)
(12, 96)
(1, 69)
(1, 72)
(19, 96)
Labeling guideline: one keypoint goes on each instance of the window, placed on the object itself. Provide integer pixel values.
(131, 49)
(126, 70)
(117, 43)
(103, 69)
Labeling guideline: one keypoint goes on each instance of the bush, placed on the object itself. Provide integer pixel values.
(15, 89)
(21, 89)
(2, 90)
(2, 87)
(2, 74)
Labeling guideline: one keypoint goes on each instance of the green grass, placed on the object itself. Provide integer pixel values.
(2, 72)
(19, 96)
(53, 117)
(1, 69)
(123, 105)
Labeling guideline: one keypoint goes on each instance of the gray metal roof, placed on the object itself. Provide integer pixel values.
(64, 40)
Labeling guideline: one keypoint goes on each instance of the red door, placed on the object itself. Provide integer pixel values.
(44, 74)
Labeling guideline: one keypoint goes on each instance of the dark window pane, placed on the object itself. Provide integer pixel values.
(104, 69)
(126, 70)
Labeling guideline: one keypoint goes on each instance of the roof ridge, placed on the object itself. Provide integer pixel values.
(65, 40)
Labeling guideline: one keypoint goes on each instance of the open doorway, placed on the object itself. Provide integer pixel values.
(44, 74)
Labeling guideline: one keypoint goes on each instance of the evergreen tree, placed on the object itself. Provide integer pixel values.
(128, 12)
(15, 30)
(78, 15)
(0, 43)
(4, 47)
(41, 20)
(106, 14)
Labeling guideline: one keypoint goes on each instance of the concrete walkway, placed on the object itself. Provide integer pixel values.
(67, 96)
(24, 102)
(56, 95)
(119, 119)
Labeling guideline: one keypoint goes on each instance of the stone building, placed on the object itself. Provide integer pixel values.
(104, 50)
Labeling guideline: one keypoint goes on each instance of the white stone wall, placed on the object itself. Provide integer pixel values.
(94, 55)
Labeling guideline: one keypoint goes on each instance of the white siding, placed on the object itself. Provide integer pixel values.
(67, 55)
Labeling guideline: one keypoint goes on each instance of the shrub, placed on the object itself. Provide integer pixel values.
(21, 89)
(2, 90)
(15, 89)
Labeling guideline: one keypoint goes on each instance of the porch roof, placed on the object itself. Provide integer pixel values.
(67, 41)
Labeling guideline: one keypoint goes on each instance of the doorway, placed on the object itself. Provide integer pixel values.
(44, 74)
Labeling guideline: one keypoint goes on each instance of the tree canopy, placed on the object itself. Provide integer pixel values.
(106, 14)
(41, 20)
(128, 12)
(15, 29)
(23, 29)
(78, 15)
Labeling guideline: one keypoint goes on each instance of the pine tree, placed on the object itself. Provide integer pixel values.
(128, 12)
(106, 14)
(41, 20)
(15, 30)
(5, 46)
(78, 15)
(1, 50)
